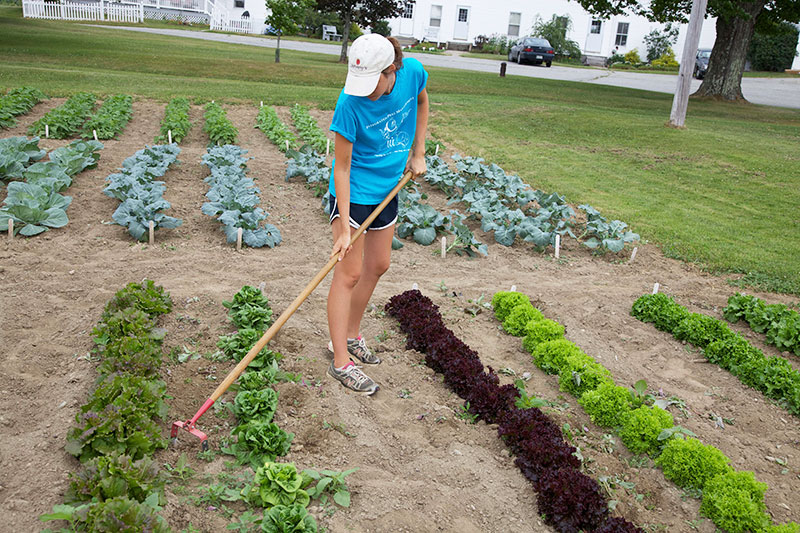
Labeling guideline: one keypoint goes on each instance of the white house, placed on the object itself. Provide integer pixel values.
(461, 21)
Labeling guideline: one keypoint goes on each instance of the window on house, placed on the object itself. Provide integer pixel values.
(596, 26)
(436, 16)
(238, 3)
(408, 11)
(513, 24)
(622, 34)
(463, 13)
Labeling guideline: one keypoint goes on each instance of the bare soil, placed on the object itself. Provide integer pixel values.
(421, 467)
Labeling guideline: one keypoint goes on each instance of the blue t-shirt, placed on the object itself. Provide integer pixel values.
(382, 133)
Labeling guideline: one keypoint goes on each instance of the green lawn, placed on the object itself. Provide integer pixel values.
(724, 192)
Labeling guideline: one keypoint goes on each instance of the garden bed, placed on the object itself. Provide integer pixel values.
(421, 467)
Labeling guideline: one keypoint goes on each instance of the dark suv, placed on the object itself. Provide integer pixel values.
(533, 50)
(701, 63)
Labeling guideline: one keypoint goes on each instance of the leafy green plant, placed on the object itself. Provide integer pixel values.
(691, 464)
(18, 102)
(288, 519)
(604, 235)
(734, 501)
(145, 296)
(258, 379)
(504, 302)
(780, 323)
(249, 308)
(112, 476)
(660, 309)
(114, 514)
(581, 374)
(421, 222)
(77, 156)
(181, 469)
(67, 119)
(526, 401)
(328, 483)
(641, 428)
(258, 441)
(110, 119)
(260, 403)
(233, 199)
(608, 404)
(219, 128)
(307, 128)
(541, 331)
(237, 345)
(276, 484)
(517, 320)
(274, 128)
(551, 356)
(176, 120)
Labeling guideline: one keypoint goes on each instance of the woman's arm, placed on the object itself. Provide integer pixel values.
(417, 161)
(343, 150)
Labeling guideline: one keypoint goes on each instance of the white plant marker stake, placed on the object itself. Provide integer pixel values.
(414, 287)
(558, 246)
(212, 101)
(437, 149)
(444, 246)
(10, 228)
(169, 136)
(152, 232)
(633, 254)
(513, 288)
(328, 148)
(238, 239)
(655, 288)
(262, 103)
(94, 133)
(46, 131)
(287, 145)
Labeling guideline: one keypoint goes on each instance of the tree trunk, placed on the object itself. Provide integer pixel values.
(278, 50)
(723, 80)
(345, 37)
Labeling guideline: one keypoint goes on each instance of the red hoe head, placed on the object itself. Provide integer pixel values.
(190, 428)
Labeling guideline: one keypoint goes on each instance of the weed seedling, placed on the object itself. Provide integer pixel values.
(181, 470)
(464, 414)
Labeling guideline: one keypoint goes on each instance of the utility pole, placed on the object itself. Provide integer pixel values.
(681, 100)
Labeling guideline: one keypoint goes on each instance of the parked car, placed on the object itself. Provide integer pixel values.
(532, 50)
(701, 62)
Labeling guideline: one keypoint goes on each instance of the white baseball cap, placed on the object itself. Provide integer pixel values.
(369, 55)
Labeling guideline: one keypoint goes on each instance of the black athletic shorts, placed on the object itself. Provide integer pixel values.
(359, 213)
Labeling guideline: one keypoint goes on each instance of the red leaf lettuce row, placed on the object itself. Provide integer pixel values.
(570, 500)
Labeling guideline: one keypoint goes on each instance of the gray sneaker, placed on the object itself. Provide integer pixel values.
(354, 379)
(358, 348)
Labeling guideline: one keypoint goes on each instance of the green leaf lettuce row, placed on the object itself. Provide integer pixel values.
(581, 374)
(734, 501)
(504, 302)
(541, 331)
(517, 320)
(661, 310)
(551, 356)
(115, 514)
(691, 464)
(112, 476)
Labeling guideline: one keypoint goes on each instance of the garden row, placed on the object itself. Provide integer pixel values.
(17, 102)
(35, 204)
(76, 116)
(119, 486)
(773, 376)
(780, 323)
(569, 500)
(734, 501)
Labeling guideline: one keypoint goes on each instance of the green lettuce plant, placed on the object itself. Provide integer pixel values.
(608, 404)
(691, 464)
(276, 484)
(504, 302)
(551, 355)
(288, 519)
(580, 374)
(541, 331)
(641, 428)
(249, 308)
(517, 320)
(112, 476)
(734, 501)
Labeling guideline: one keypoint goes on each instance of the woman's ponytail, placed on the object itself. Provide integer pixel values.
(398, 53)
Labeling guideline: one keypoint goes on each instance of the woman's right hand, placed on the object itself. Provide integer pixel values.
(341, 245)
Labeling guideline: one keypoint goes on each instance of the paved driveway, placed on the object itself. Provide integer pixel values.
(781, 92)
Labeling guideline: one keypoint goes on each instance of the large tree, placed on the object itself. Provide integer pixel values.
(736, 22)
(362, 12)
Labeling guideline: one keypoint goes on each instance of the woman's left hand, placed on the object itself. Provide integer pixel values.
(417, 165)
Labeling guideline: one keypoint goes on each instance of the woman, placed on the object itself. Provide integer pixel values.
(380, 122)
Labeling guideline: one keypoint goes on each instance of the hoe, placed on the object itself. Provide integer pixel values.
(189, 425)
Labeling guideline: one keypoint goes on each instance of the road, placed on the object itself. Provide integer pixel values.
(780, 92)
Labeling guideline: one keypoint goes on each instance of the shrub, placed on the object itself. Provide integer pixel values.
(690, 463)
(632, 57)
(551, 356)
(580, 374)
(382, 27)
(519, 317)
(641, 428)
(555, 31)
(667, 60)
(735, 502)
(504, 302)
(773, 50)
(541, 331)
(608, 404)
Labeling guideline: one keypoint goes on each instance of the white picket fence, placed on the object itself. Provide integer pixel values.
(66, 10)
(221, 21)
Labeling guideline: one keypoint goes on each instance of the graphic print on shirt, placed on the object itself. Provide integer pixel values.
(391, 126)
